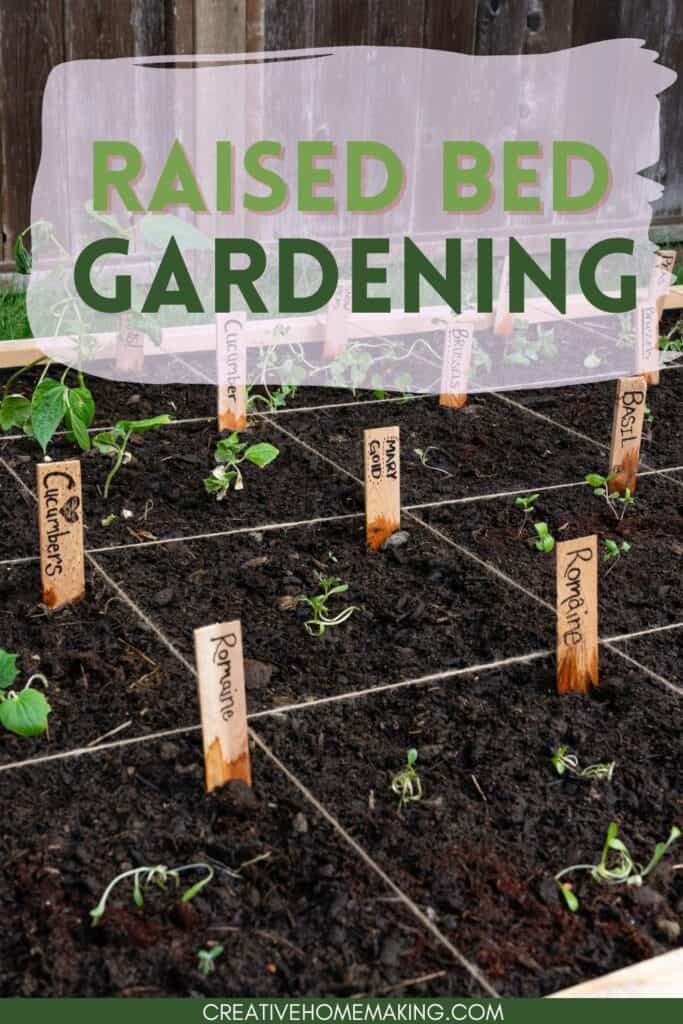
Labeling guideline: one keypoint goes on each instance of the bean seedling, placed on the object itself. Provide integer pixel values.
(321, 619)
(25, 712)
(146, 876)
(205, 959)
(616, 865)
(230, 453)
(406, 783)
(114, 442)
(616, 502)
(546, 541)
(564, 762)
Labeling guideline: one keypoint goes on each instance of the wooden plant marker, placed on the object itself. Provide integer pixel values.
(130, 349)
(647, 342)
(382, 484)
(660, 279)
(457, 355)
(503, 320)
(222, 702)
(337, 324)
(577, 615)
(60, 519)
(627, 429)
(231, 363)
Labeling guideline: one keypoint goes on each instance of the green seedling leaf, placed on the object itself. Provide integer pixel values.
(26, 713)
(142, 426)
(661, 848)
(8, 669)
(22, 257)
(595, 480)
(261, 454)
(47, 410)
(15, 411)
(106, 442)
(79, 414)
(411, 757)
(569, 897)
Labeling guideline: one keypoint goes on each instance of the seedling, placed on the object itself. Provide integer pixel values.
(612, 552)
(146, 876)
(230, 453)
(321, 620)
(564, 762)
(528, 507)
(546, 541)
(273, 398)
(114, 442)
(406, 783)
(24, 712)
(423, 456)
(205, 959)
(616, 502)
(616, 865)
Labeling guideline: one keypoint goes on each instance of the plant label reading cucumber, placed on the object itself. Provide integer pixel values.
(577, 615)
(337, 323)
(457, 354)
(130, 349)
(647, 342)
(231, 362)
(627, 429)
(223, 703)
(60, 504)
(382, 484)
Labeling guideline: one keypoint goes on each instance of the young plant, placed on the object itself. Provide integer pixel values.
(114, 442)
(230, 453)
(24, 712)
(616, 502)
(406, 782)
(612, 552)
(146, 876)
(616, 865)
(52, 403)
(272, 399)
(528, 506)
(545, 541)
(423, 456)
(564, 762)
(205, 959)
(321, 619)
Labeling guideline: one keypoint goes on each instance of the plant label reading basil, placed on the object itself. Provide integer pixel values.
(627, 429)
(130, 349)
(337, 323)
(231, 361)
(382, 484)
(455, 368)
(647, 341)
(503, 320)
(223, 703)
(577, 615)
(60, 504)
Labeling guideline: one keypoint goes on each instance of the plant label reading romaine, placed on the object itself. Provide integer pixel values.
(222, 702)
(455, 368)
(647, 342)
(627, 429)
(231, 359)
(60, 505)
(577, 615)
(130, 349)
(337, 324)
(382, 484)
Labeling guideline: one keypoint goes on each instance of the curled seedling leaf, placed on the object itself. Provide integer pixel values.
(406, 783)
(321, 618)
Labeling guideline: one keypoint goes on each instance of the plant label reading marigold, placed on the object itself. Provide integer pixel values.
(222, 702)
(577, 615)
(60, 516)
(130, 349)
(382, 484)
(456, 365)
(647, 341)
(231, 359)
(627, 429)
(337, 324)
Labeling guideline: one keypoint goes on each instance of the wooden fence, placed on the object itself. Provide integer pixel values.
(35, 35)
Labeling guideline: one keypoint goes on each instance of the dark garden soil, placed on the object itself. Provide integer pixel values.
(477, 854)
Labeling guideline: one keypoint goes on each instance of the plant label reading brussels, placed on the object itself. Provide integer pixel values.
(337, 324)
(231, 359)
(647, 342)
(60, 504)
(627, 429)
(130, 349)
(382, 484)
(457, 354)
(577, 615)
(223, 703)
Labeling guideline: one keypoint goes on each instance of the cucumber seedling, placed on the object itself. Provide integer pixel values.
(114, 442)
(616, 865)
(406, 783)
(22, 712)
(230, 453)
(616, 502)
(545, 540)
(158, 875)
(321, 618)
(564, 762)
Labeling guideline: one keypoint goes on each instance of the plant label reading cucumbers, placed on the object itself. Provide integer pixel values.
(222, 702)
(577, 615)
(382, 484)
(130, 349)
(647, 342)
(627, 429)
(60, 516)
(231, 363)
(457, 354)
(337, 323)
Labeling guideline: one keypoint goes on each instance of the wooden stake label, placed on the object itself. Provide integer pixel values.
(660, 280)
(231, 362)
(504, 321)
(647, 341)
(382, 484)
(222, 702)
(60, 518)
(577, 615)
(455, 368)
(130, 349)
(337, 325)
(627, 430)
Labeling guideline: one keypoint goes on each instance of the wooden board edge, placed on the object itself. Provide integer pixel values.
(660, 977)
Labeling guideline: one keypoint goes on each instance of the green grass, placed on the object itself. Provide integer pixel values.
(13, 319)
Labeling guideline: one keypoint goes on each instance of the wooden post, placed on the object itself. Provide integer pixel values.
(222, 702)
(627, 430)
(455, 367)
(577, 615)
(337, 324)
(647, 342)
(60, 517)
(503, 320)
(130, 349)
(382, 484)
(660, 279)
(231, 362)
